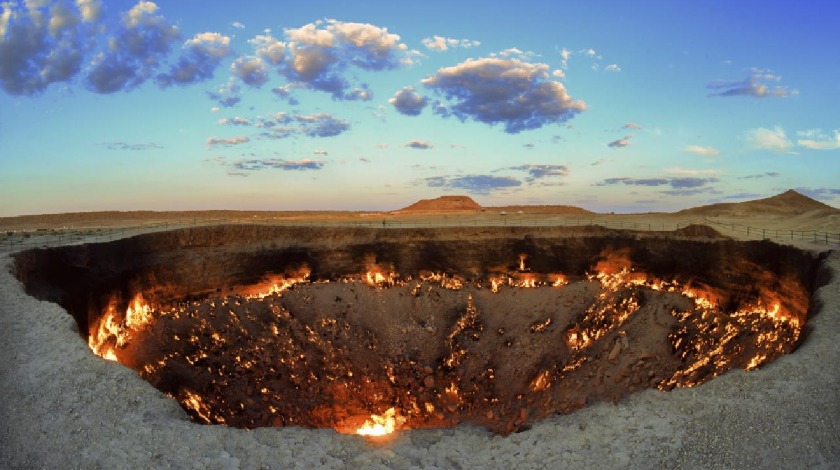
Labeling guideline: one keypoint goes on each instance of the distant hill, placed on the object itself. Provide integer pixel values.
(443, 203)
(789, 202)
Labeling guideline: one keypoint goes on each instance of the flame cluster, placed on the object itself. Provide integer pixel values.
(706, 341)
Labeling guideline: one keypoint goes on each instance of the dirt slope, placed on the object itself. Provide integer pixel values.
(789, 202)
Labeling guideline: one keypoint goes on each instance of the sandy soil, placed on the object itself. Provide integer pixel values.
(63, 407)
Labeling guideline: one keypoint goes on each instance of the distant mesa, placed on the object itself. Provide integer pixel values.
(789, 202)
(444, 204)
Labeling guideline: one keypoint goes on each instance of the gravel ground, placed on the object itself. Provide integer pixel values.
(63, 407)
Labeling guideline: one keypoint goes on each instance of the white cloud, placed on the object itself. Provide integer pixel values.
(691, 172)
(251, 70)
(769, 139)
(202, 55)
(226, 142)
(612, 68)
(758, 85)
(440, 43)
(512, 92)
(817, 140)
(408, 102)
(317, 55)
(702, 151)
(134, 53)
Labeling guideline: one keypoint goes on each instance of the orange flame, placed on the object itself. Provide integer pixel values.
(381, 425)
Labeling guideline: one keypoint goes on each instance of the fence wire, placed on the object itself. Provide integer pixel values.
(20, 240)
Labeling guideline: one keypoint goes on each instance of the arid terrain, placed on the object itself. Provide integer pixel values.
(64, 406)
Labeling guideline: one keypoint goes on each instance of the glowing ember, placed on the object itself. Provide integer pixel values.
(380, 425)
(428, 328)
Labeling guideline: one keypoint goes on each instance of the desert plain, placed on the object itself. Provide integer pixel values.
(64, 407)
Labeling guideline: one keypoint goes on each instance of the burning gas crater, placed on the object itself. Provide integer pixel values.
(517, 330)
(377, 352)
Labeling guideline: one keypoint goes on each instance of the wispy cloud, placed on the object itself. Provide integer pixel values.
(214, 141)
(227, 95)
(769, 174)
(440, 43)
(235, 121)
(321, 125)
(775, 139)
(691, 172)
(702, 151)
(620, 143)
(419, 144)
(511, 92)
(632, 125)
(816, 139)
(277, 164)
(674, 182)
(760, 84)
(825, 194)
(477, 184)
(536, 172)
(135, 147)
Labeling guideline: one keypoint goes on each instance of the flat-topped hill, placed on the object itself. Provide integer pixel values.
(443, 203)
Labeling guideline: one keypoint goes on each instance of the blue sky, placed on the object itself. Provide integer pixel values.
(368, 105)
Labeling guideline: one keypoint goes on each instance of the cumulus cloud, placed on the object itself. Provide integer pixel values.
(213, 141)
(511, 92)
(251, 70)
(41, 44)
(702, 151)
(419, 144)
(816, 139)
(775, 139)
(760, 84)
(408, 102)
(620, 143)
(536, 172)
(478, 184)
(142, 40)
(200, 59)
(238, 25)
(440, 43)
(612, 68)
(243, 165)
(317, 55)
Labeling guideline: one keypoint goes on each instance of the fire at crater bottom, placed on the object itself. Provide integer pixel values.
(372, 331)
